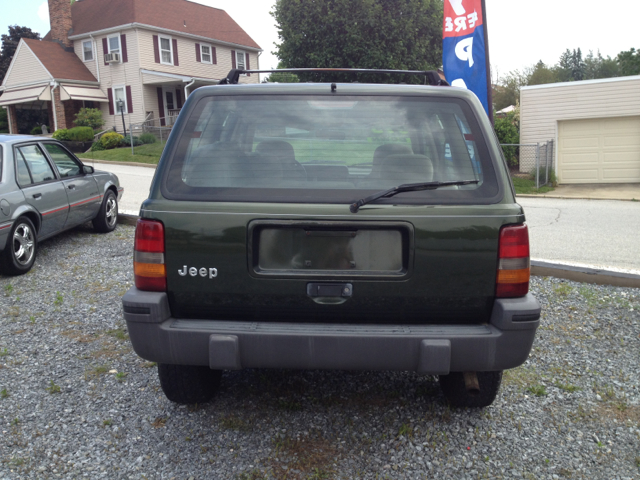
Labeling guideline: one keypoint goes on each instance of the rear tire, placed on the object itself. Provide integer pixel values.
(107, 218)
(19, 253)
(457, 395)
(188, 384)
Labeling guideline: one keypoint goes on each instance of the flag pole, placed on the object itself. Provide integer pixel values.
(486, 49)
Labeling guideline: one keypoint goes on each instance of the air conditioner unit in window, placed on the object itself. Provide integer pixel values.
(112, 58)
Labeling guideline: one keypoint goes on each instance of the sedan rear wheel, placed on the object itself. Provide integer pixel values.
(20, 252)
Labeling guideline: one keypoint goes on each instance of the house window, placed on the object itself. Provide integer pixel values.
(240, 60)
(166, 51)
(114, 44)
(119, 94)
(87, 49)
(205, 53)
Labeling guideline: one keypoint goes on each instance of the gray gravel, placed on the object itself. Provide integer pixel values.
(76, 402)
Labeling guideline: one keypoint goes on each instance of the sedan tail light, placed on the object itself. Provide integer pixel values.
(148, 256)
(514, 265)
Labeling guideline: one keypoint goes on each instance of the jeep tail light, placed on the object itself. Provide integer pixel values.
(148, 256)
(514, 265)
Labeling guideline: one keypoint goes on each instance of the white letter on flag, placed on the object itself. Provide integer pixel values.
(464, 50)
(457, 7)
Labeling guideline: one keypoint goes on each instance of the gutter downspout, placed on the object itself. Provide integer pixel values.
(259, 53)
(186, 92)
(95, 49)
(53, 104)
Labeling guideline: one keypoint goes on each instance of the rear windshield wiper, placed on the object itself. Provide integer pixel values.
(407, 187)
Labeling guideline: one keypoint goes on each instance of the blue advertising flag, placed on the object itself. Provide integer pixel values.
(464, 57)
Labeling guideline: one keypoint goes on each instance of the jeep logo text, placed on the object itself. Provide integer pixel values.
(194, 272)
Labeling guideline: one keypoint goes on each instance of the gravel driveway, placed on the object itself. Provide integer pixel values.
(76, 402)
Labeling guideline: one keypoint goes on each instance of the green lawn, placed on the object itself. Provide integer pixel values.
(149, 153)
(528, 186)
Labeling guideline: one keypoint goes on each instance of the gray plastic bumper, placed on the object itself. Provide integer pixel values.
(430, 349)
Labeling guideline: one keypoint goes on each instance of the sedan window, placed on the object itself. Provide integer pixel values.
(66, 164)
(24, 177)
(38, 165)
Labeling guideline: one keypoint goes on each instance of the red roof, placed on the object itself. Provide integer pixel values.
(178, 15)
(60, 63)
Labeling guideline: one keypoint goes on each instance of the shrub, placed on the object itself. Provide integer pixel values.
(126, 141)
(507, 131)
(148, 138)
(111, 140)
(37, 130)
(81, 134)
(62, 134)
(97, 146)
(89, 117)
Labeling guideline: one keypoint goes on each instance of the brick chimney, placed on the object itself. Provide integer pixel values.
(60, 19)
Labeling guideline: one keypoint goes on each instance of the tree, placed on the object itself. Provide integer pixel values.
(541, 74)
(571, 66)
(89, 117)
(596, 66)
(282, 77)
(629, 62)
(4, 121)
(378, 34)
(507, 90)
(507, 129)
(10, 43)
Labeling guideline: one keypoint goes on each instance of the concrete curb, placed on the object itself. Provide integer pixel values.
(129, 164)
(538, 268)
(584, 274)
(564, 197)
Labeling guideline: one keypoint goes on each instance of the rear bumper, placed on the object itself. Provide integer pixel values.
(430, 349)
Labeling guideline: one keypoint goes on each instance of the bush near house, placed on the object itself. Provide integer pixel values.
(81, 134)
(62, 134)
(147, 138)
(37, 130)
(126, 141)
(111, 140)
(89, 117)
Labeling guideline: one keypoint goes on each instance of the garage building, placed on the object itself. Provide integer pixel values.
(595, 125)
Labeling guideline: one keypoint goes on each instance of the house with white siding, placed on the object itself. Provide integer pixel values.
(140, 58)
(595, 125)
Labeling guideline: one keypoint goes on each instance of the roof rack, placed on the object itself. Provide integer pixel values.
(431, 77)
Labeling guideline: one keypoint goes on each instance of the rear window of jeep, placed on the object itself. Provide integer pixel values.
(304, 149)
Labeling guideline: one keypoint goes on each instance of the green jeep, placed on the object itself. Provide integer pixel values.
(332, 226)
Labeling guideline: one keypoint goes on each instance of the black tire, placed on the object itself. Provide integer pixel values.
(457, 395)
(20, 251)
(107, 218)
(188, 384)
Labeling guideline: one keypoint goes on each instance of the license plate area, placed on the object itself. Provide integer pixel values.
(287, 249)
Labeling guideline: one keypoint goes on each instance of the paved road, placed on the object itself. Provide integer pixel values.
(601, 233)
(596, 233)
(135, 180)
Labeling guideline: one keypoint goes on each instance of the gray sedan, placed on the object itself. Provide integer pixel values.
(45, 189)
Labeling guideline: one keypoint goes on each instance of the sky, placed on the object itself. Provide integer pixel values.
(520, 32)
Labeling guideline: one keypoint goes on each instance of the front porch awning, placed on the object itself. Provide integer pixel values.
(152, 77)
(82, 92)
(25, 95)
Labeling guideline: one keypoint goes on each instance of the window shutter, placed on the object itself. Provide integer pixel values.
(246, 65)
(156, 49)
(161, 107)
(110, 95)
(123, 47)
(214, 60)
(175, 52)
(105, 50)
(198, 53)
(129, 100)
(233, 59)
(178, 98)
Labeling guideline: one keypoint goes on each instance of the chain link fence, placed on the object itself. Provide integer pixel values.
(160, 128)
(534, 160)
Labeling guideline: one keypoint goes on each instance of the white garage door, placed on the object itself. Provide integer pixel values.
(603, 150)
